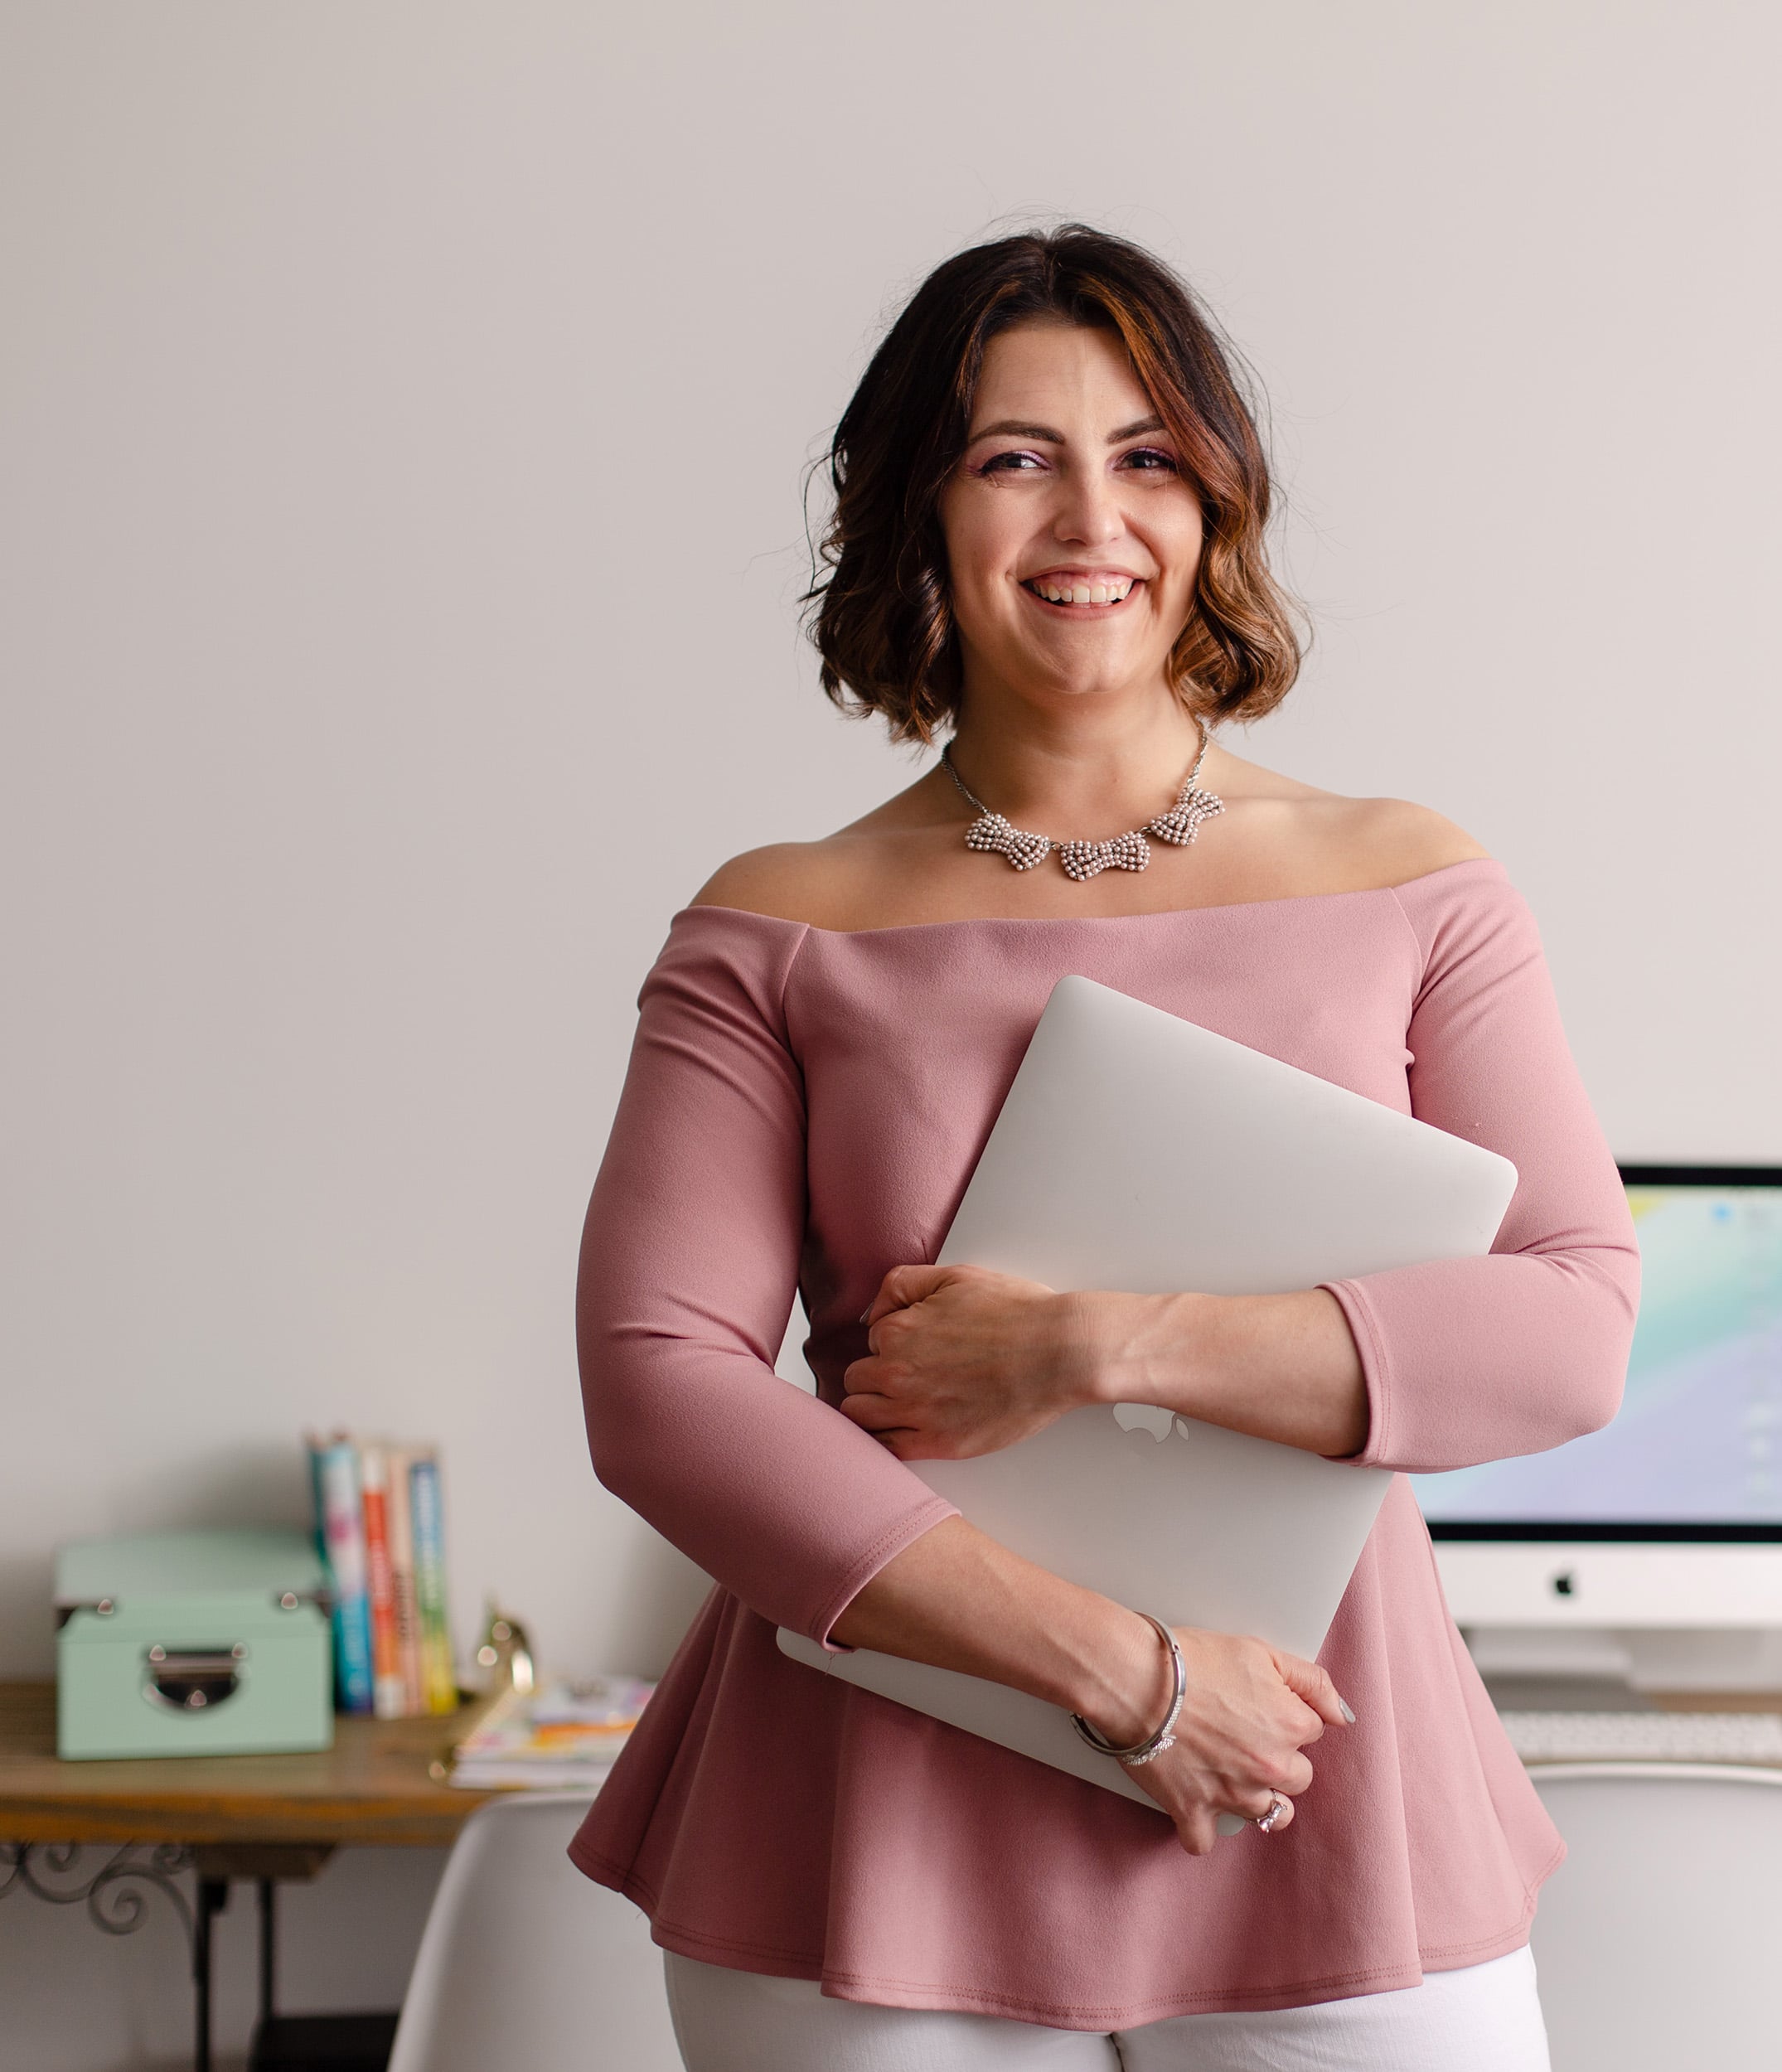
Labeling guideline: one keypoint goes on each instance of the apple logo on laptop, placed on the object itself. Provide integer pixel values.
(1149, 1417)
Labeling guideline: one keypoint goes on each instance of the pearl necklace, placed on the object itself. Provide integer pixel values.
(1082, 860)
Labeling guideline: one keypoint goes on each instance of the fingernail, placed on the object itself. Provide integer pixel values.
(1343, 1707)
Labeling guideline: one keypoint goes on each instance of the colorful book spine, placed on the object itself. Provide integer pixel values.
(341, 1533)
(388, 1695)
(439, 1680)
(402, 1584)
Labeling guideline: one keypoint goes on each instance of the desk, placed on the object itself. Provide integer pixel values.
(268, 1819)
(278, 1818)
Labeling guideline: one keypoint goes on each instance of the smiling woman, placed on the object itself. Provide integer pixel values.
(1181, 446)
(1047, 545)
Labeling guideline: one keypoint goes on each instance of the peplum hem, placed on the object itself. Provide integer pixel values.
(900, 1993)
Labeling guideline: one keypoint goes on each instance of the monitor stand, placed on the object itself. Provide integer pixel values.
(1566, 1694)
(1582, 1668)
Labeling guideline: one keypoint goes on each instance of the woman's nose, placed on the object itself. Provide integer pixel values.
(1090, 514)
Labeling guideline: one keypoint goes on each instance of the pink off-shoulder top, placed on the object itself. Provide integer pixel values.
(803, 1110)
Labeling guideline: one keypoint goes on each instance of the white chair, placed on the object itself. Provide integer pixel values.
(1657, 1940)
(526, 1966)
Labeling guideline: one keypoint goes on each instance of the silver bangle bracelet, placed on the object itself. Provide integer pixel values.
(1165, 1737)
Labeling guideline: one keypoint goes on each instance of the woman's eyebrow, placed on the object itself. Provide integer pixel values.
(1018, 428)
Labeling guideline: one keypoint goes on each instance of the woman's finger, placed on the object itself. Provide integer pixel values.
(1197, 1830)
(1294, 1775)
(902, 1286)
(1275, 1807)
(875, 1413)
(874, 1376)
(1312, 1686)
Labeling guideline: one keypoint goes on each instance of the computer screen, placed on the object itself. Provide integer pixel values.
(1696, 1452)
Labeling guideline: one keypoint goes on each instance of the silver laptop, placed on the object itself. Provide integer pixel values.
(1138, 1151)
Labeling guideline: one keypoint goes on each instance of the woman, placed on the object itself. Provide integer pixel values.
(1047, 540)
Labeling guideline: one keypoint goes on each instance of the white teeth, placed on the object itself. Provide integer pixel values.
(1084, 593)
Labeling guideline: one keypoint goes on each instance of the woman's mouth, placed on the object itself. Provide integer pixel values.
(1068, 590)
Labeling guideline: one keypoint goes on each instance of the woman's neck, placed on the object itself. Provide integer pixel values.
(1098, 765)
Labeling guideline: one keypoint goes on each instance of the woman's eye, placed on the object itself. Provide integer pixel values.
(1009, 463)
(1148, 459)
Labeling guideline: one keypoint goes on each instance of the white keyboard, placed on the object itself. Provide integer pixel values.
(1645, 1737)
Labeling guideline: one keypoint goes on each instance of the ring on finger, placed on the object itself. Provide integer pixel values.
(1265, 1823)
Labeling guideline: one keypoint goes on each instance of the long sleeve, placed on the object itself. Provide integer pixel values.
(689, 1263)
(1478, 1359)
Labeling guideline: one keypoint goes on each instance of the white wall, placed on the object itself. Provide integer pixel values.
(402, 414)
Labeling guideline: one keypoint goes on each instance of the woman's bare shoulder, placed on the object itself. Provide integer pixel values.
(1395, 840)
(1346, 844)
(837, 879)
(767, 881)
(816, 882)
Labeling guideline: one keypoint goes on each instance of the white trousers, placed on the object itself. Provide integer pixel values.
(1486, 2018)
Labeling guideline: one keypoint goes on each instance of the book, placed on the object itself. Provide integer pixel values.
(438, 1680)
(340, 1536)
(407, 1610)
(561, 1738)
(380, 1528)
(389, 1695)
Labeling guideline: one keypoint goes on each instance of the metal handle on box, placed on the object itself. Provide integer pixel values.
(193, 1679)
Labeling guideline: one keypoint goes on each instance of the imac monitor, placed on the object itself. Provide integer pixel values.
(1672, 1515)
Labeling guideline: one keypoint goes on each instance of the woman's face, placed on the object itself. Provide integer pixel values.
(1073, 533)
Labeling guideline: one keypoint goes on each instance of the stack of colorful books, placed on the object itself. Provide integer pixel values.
(380, 1529)
(565, 1737)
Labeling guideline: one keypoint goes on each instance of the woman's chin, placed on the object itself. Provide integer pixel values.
(1092, 676)
(1071, 657)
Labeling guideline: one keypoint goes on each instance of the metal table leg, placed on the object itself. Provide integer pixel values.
(114, 1899)
(213, 1896)
(268, 1945)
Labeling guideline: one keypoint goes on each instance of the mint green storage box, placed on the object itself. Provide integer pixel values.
(192, 1643)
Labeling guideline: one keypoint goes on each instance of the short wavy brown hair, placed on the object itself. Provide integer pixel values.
(878, 605)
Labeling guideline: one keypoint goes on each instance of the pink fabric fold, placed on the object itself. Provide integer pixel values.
(803, 1110)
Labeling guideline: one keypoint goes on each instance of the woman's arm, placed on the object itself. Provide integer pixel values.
(1282, 1367)
(1470, 1360)
(689, 1262)
(966, 1361)
(959, 1599)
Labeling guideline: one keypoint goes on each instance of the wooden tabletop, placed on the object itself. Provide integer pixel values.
(373, 1786)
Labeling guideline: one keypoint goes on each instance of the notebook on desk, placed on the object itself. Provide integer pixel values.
(1136, 1150)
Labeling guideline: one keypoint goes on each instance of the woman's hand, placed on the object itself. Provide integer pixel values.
(1249, 1713)
(964, 1360)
